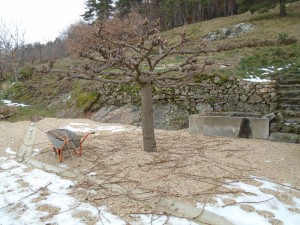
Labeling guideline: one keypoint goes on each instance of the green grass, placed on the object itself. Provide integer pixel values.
(30, 113)
(270, 57)
(270, 29)
(272, 42)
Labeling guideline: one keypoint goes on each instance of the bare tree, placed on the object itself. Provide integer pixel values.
(2, 63)
(116, 58)
(282, 11)
(12, 48)
(39, 47)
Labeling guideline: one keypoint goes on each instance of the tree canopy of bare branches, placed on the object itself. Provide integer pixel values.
(130, 50)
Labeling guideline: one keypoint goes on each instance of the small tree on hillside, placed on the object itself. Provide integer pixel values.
(97, 9)
(12, 48)
(123, 51)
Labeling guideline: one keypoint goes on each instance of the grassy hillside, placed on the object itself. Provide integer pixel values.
(273, 44)
(267, 45)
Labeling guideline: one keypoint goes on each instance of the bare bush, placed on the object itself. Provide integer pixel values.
(82, 37)
(12, 51)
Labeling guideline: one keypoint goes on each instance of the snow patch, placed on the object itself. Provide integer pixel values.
(84, 128)
(111, 128)
(10, 103)
(256, 79)
(9, 151)
(92, 174)
(20, 189)
(260, 201)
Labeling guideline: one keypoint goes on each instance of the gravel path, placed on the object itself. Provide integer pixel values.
(188, 168)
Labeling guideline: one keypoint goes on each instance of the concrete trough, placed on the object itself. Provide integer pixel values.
(230, 124)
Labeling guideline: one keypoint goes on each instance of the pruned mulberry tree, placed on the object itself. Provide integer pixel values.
(130, 50)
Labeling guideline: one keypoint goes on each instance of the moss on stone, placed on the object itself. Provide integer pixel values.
(84, 100)
(133, 89)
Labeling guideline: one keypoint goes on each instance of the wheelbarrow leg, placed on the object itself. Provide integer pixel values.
(59, 153)
(55, 150)
(80, 147)
(80, 150)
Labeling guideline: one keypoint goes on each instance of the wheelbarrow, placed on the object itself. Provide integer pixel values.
(64, 139)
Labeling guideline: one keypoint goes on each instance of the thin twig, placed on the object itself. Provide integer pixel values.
(33, 192)
(234, 203)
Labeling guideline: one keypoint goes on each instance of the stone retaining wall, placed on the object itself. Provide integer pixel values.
(213, 94)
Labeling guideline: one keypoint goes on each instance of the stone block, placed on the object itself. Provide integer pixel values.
(285, 137)
(228, 125)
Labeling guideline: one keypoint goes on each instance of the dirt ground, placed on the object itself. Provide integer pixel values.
(189, 168)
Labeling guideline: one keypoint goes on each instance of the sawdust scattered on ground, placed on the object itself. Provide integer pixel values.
(189, 168)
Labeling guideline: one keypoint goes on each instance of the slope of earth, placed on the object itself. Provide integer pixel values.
(271, 45)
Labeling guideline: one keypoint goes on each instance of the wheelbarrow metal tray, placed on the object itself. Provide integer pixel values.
(59, 137)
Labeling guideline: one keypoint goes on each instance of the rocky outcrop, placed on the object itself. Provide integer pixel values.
(166, 116)
(7, 111)
(229, 32)
(126, 114)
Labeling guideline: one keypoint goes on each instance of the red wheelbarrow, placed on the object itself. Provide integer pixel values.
(64, 139)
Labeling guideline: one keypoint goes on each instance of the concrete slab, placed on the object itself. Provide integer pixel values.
(229, 125)
(26, 148)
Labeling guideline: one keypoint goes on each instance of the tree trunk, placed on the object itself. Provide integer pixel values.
(147, 118)
(282, 8)
(16, 75)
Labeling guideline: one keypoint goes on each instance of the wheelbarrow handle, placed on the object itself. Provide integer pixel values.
(85, 136)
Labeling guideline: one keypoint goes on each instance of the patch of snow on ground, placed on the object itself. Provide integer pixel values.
(92, 174)
(78, 128)
(84, 128)
(9, 103)
(23, 192)
(261, 201)
(289, 123)
(9, 151)
(266, 70)
(223, 66)
(111, 128)
(63, 165)
(36, 151)
(256, 79)
(67, 99)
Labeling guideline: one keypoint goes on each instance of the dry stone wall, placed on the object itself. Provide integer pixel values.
(214, 94)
